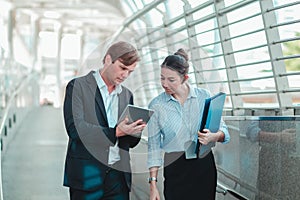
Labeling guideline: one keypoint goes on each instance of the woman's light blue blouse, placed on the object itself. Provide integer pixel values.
(173, 125)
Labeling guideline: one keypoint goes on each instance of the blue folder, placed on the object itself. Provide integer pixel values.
(212, 114)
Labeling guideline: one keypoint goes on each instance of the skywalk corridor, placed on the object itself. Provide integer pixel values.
(248, 49)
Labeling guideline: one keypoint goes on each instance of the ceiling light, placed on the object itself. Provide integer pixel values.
(52, 14)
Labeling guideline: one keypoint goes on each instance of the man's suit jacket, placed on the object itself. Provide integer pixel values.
(90, 136)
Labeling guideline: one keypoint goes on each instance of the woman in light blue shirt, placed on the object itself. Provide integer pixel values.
(173, 129)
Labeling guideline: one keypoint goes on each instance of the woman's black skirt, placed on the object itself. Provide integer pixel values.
(194, 179)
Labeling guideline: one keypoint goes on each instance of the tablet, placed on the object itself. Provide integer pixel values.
(135, 112)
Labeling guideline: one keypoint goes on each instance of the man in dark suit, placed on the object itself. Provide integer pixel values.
(98, 161)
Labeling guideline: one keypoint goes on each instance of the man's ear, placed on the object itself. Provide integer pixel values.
(108, 59)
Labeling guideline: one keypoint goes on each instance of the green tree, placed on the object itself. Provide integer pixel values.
(292, 48)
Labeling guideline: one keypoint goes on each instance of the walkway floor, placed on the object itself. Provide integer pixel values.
(34, 160)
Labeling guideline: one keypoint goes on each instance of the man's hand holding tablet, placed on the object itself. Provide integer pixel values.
(133, 120)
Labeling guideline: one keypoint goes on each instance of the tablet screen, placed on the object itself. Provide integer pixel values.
(134, 113)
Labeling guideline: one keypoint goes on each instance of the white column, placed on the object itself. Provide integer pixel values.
(58, 93)
(275, 51)
(35, 25)
(229, 60)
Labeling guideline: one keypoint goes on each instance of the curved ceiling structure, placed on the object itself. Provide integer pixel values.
(247, 49)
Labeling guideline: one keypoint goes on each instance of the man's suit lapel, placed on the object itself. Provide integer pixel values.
(125, 97)
(122, 103)
(98, 97)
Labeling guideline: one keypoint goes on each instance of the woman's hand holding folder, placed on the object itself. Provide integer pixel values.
(206, 136)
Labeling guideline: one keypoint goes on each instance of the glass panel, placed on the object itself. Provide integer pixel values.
(290, 49)
(129, 7)
(231, 2)
(3, 34)
(260, 101)
(146, 54)
(262, 159)
(218, 75)
(178, 24)
(207, 38)
(139, 4)
(287, 14)
(48, 44)
(264, 84)
(289, 31)
(255, 71)
(214, 88)
(243, 42)
(216, 62)
(174, 8)
(243, 12)
(249, 57)
(206, 25)
(246, 26)
(204, 12)
(147, 1)
(70, 46)
(282, 2)
(195, 3)
(294, 81)
(162, 8)
(155, 18)
(178, 40)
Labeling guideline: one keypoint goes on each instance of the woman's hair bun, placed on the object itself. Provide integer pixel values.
(182, 53)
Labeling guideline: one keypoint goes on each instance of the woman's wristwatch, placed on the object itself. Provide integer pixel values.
(152, 179)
